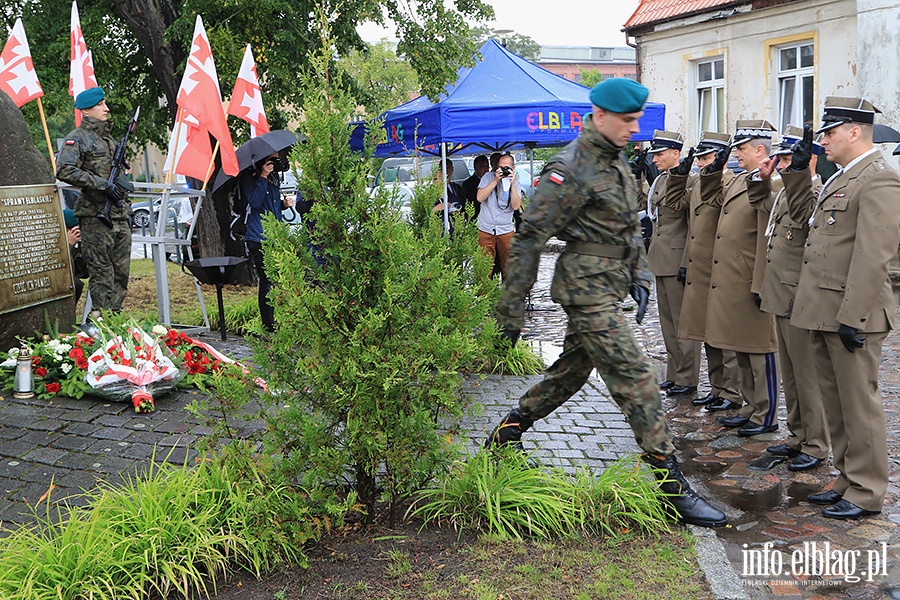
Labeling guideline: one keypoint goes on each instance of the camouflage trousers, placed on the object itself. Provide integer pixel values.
(107, 255)
(599, 337)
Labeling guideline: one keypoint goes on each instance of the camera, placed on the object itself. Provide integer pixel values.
(279, 163)
(506, 171)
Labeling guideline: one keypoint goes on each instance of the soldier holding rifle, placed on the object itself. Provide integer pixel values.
(87, 160)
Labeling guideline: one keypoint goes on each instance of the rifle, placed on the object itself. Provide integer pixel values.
(115, 172)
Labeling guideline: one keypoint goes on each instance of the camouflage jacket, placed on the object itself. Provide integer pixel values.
(587, 194)
(84, 162)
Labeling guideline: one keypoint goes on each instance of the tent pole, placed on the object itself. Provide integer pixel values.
(445, 181)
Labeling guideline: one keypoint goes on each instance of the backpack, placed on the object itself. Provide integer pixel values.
(240, 212)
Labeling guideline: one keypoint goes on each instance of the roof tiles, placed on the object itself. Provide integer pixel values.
(653, 11)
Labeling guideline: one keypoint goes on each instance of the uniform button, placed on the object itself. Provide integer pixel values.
(768, 260)
(725, 211)
(713, 286)
(842, 286)
(715, 262)
(718, 237)
(805, 262)
(692, 237)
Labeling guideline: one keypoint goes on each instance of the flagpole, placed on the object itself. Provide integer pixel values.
(212, 163)
(174, 154)
(47, 135)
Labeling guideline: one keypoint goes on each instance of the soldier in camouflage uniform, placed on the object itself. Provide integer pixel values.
(589, 199)
(85, 162)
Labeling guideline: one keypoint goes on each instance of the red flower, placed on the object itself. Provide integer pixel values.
(40, 372)
(52, 388)
(76, 353)
(81, 363)
(35, 360)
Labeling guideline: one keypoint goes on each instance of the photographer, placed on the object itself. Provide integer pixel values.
(260, 186)
(499, 196)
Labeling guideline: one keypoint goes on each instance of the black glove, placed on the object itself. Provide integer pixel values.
(681, 276)
(641, 295)
(511, 335)
(801, 152)
(114, 193)
(850, 338)
(684, 166)
(719, 161)
(639, 164)
(757, 300)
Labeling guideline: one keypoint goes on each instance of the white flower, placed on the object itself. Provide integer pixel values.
(66, 367)
(160, 330)
(13, 352)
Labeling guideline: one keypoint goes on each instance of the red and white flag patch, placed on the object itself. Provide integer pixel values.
(70, 142)
(556, 178)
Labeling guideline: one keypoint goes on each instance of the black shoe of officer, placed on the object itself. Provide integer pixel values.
(510, 430)
(691, 508)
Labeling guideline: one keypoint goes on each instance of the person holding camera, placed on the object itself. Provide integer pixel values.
(499, 197)
(261, 188)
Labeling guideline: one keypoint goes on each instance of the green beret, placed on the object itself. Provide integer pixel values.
(89, 98)
(619, 95)
(71, 219)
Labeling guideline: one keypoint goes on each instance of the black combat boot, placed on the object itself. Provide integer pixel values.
(510, 430)
(687, 503)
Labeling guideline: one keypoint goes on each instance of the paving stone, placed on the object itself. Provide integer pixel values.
(72, 442)
(787, 532)
(781, 518)
(874, 532)
(730, 454)
(47, 456)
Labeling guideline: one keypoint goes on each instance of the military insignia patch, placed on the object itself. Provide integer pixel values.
(839, 195)
(70, 142)
(556, 178)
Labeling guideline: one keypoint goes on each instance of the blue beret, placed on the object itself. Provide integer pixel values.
(619, 95)
(89, 98)
(71, 219)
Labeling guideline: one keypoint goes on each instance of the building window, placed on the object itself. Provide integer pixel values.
(711, 95)
(795, 84)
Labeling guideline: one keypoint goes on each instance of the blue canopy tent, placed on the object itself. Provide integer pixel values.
(504, 102)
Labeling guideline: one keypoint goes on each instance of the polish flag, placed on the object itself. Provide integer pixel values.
(191, 152)
(246, 101)
(200, 96)
(17, 75)
(81, 65)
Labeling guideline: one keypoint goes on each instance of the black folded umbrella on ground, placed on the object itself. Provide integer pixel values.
(277, 141)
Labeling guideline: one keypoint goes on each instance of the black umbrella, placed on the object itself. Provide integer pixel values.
(258, 148)
(882, 134)
(896, 150)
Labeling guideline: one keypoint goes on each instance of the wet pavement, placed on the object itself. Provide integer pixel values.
(777, 544)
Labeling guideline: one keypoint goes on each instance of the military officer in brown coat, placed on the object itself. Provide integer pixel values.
(844, 298)
(786, 232)
(733, 318)
(665, 255)
(697, 262)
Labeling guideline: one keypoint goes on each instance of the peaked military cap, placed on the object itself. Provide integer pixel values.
(89, 98)
(793, 134)
(665, 140)
(839, 110)
(619, 95)
(710, 141)
(751, 129)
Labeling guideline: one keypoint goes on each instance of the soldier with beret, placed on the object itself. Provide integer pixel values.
(589, 198)
(788, 226)
(664, 258)
(85, 162)
(844, 299)
(733, 319)
(724, 376)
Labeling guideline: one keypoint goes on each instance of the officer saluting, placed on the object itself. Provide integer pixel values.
(844, 298)
(85, 162)
(589, 198)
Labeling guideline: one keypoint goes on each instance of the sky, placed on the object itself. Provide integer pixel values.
(551, 22)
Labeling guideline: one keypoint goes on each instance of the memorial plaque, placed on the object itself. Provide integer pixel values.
(35, 266)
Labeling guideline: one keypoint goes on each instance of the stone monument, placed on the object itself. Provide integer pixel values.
(35, 269)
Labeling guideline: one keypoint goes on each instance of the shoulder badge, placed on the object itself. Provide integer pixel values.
(556, 177)
(70, 142)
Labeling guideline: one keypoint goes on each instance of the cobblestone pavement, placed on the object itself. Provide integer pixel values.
(74, 443)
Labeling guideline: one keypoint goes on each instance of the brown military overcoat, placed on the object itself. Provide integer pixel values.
(670, 231)
(733, 321)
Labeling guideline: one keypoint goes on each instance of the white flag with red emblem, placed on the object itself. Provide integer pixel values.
(81, 64)
(17, 75)
(200, 97)
(190, 151)
(246, 101)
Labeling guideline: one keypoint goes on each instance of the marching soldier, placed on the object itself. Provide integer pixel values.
(665, 256)
(844, 298)
(733, 318)
(724, 377)
(85, 162)
(787, 229)
(589, 199)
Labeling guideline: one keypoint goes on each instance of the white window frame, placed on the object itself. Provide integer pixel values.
(710, 89)
(796, 84)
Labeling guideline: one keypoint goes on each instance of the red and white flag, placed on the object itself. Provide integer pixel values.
(17, 75)
(246, 101)
(81, 65)
(190, 151)
(200, 97)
